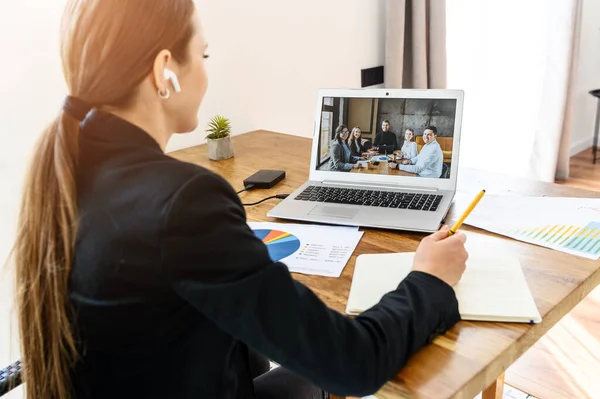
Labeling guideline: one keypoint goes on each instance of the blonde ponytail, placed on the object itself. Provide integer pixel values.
(43, 255)
(105, 58)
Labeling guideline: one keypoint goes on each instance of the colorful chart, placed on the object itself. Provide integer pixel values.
(581, 239)
(279, 243)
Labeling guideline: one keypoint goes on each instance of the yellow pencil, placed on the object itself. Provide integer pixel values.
(470, 208)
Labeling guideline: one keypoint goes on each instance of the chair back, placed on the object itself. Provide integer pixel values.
(10, 377)
(445, 171)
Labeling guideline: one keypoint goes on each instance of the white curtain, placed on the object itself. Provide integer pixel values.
(515, 60)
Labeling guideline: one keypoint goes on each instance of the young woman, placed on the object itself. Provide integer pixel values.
(137, 275)
(354, 142)
(340, 155)
(409, 148)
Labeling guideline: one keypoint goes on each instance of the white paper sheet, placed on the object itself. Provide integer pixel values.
(570, 225)
(309, 249)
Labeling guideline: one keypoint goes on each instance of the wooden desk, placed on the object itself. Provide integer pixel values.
(472, 355)
(382, 169)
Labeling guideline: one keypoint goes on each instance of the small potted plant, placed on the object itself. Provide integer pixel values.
(219, 138)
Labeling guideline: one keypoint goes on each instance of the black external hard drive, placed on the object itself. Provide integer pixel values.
(265, 178)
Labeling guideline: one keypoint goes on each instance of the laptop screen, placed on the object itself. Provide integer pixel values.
(387, 136)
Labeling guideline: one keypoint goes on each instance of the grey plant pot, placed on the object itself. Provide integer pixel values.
(220, 148)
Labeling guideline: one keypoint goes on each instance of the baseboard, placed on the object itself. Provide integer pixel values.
(581, 145)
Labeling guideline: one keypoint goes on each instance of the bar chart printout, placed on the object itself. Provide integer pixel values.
(570, 225)
(579, 240)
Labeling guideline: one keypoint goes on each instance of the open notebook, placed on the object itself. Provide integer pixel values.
(492, 288)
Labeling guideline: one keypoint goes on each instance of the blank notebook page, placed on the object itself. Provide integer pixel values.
(491, 289)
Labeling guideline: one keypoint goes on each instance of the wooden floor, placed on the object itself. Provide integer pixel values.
(583, 173)
(565, 363)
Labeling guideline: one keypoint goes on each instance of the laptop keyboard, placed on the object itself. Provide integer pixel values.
(386, 199)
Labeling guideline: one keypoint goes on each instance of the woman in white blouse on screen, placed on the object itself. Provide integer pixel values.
(409, 148)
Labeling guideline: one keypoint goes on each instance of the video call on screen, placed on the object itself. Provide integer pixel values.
(389, 136)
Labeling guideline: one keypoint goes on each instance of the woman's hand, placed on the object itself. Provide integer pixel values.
(442, 256)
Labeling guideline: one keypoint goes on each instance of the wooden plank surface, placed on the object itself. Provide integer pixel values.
(583, 173)
(382, 169)
(565, 363)
(472, 355)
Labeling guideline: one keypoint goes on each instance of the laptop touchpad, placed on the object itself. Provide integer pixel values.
(334, 212)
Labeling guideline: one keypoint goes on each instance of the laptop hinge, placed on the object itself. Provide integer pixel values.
(377, 185)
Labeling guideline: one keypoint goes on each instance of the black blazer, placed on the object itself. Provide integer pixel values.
(170, 288)
(357, 148)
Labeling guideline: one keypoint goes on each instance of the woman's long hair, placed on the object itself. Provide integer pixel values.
(352, 139)
(108, 48)
(338, 133)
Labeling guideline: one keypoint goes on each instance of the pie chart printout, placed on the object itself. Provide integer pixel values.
(280, 244)
(308, 249)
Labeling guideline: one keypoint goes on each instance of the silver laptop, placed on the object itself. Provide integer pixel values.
(381, 158)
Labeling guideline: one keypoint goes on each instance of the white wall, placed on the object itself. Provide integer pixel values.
(268, 58)
(587, 77)
(33, 91)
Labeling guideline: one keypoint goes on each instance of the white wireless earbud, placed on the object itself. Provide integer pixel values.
(170, 75)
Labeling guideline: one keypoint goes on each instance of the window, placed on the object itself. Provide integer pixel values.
(326, 133)
(510, 58)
